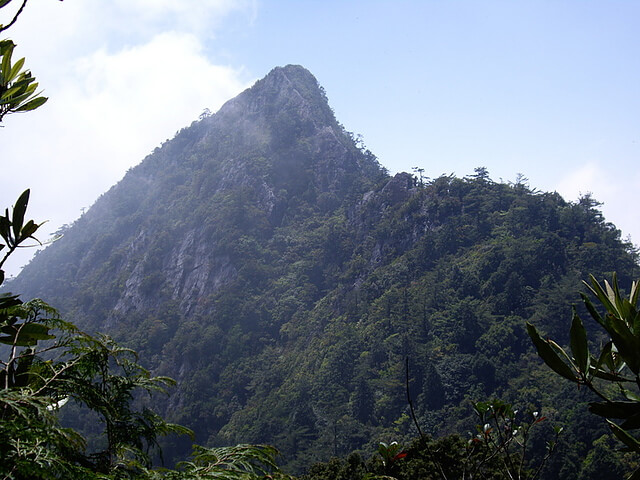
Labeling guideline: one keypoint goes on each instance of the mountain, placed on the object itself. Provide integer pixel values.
(268, 262)
(232, 174)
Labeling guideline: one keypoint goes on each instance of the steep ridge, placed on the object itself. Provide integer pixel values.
(282, 277)
(267, 155)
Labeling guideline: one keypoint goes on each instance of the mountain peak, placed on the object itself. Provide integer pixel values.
(268, 157)
(283, 130)
(289, 77)
(293, 72)
(291, 89)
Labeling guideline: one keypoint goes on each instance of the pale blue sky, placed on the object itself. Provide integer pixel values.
(549, 89)
(540, 88)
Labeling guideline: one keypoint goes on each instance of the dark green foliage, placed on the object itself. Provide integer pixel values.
(423, 459)
(617, 364)
(605, 461)
(93, 372)
(501, 449)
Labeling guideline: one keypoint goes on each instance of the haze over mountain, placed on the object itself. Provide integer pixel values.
(265, 259)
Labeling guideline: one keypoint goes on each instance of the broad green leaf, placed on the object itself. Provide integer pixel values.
(611, 377)
(633, 296)
(29, 229)
(615, 409)
(616, 297)
(25, 335)
(8, 300)
(624, 437)
(15, 70)
(18, 213)
(549, 355)
(635, 324)
(625, 342)
(21, 95)
(632, 422)
(34, 329)
(10, 340)
(592, 310)
(32, 104)
(8, 96)
(612, 294)
(5, 65)
(600, 293)
(629, 395)
(578, 344)
(5, 229)
(562, 354)
(605, 356)
(16, 100)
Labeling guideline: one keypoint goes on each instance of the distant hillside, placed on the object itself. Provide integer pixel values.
(279, 273)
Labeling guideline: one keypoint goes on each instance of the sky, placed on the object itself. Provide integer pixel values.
(546, 89)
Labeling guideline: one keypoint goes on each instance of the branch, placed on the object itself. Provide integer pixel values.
(504, 444)
(413, 413)
(9, 252)
(50, 380)
(547, 456)
(415, 421)
(15, 18)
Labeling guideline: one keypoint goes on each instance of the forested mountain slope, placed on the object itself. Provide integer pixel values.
(279, 273)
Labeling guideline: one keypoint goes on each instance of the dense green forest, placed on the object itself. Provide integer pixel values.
(453, 454)
(302, 297)
(433, 394)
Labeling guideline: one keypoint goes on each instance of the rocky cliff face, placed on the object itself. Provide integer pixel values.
(269, 153)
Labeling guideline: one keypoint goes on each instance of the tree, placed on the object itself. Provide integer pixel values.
(613, 375)
(43, 372)
(49, 362)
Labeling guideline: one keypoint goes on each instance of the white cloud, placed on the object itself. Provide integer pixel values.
(112, 110)
(108, 107)
(78, 25)
(610, 187)
(581, 181)
(180, 15)
(134, 99)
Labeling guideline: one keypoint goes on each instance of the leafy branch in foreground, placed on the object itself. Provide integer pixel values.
(613, 374)
(18, 87)
(501, 445)
(43, 371)
(502, 438)
(243, 462)
(47, 362)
